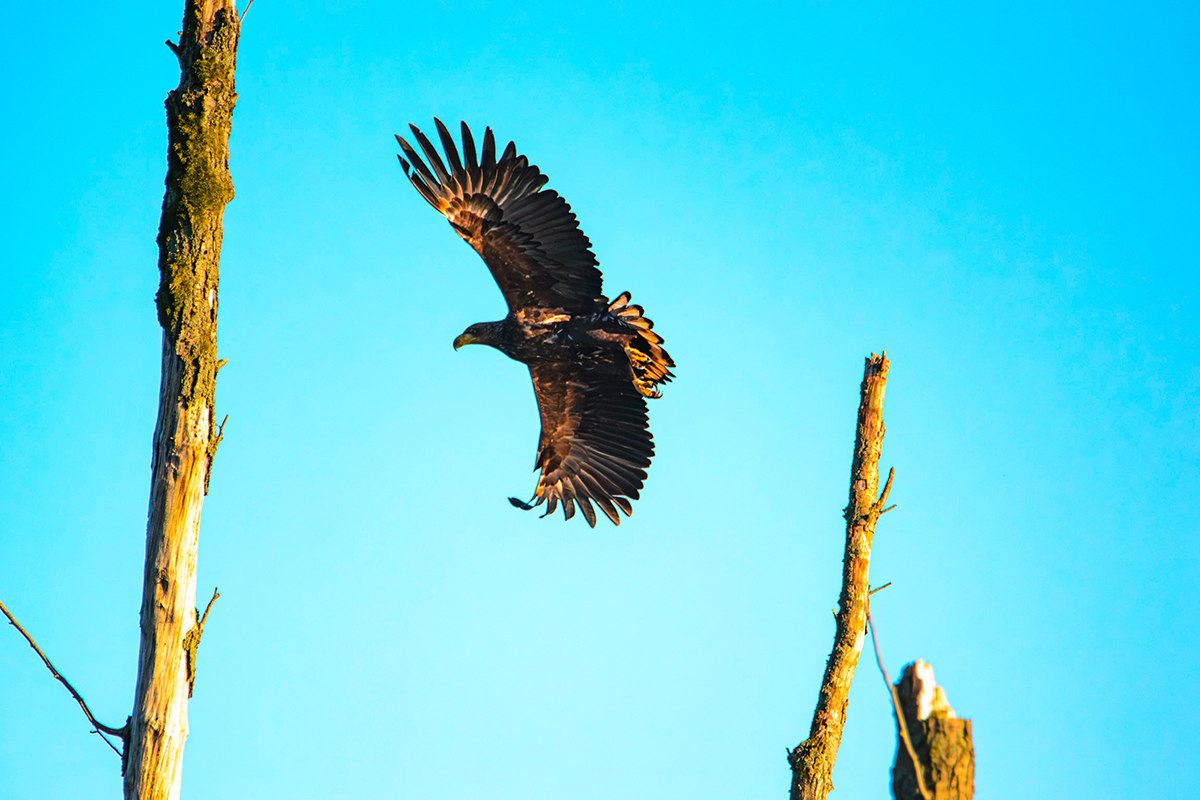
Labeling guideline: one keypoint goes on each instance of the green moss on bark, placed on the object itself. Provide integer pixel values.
(198, 186)
(199, 118)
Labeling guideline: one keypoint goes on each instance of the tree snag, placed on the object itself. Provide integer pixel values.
(940, 740)
(812, 761)
(198, 186)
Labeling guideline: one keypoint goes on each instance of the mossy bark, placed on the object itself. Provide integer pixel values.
(813, 760)
(198, 186)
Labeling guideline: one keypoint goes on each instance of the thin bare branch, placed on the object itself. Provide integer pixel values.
(99, 727)
(879, 589)
(921, 787)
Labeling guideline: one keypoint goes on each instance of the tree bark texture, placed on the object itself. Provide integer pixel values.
(812, 761)
(198, 186)
(942, 742)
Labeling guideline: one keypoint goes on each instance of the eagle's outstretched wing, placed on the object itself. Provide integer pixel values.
(595, 444)
(528, 236)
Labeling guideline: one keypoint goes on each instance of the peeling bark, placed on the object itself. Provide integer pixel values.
(198, 186)
(812, 761)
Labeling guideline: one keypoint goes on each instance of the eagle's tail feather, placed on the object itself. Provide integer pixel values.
(650, 362)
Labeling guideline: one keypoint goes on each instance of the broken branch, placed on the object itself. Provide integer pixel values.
(812, 761)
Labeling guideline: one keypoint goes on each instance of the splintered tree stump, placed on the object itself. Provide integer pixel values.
(941, 741)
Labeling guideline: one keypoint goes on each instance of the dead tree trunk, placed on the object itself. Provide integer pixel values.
(941, 741)
(198, 186)
(812, 761)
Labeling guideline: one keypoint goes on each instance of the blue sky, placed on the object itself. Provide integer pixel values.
(1004, 196)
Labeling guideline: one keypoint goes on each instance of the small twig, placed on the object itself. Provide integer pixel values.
(111, 746)
(174, 48)
(208, 608)
(879, 589)
(191, 642)
(887, 489)
(100, 728)
(245, 11)
(917, 769)
(220, 363)
(889, 508)
(212, 450)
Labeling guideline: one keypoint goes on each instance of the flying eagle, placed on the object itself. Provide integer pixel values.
(593, 362)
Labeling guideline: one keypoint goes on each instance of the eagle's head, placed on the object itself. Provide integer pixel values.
(489, 333)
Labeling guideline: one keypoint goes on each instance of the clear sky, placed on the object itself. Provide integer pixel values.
(1003, 195)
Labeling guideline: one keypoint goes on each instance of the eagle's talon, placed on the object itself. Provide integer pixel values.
(521, 504)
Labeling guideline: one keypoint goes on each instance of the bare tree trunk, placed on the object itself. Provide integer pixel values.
(941, 741)
(812, 761)
(198, 186)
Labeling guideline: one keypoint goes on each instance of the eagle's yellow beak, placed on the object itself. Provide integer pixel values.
(464, 339)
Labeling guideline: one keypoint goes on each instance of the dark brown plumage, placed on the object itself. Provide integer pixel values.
(593, 362)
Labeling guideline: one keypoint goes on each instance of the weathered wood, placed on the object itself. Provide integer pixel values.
(941, 741)
(198, 186)
(812, 761)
